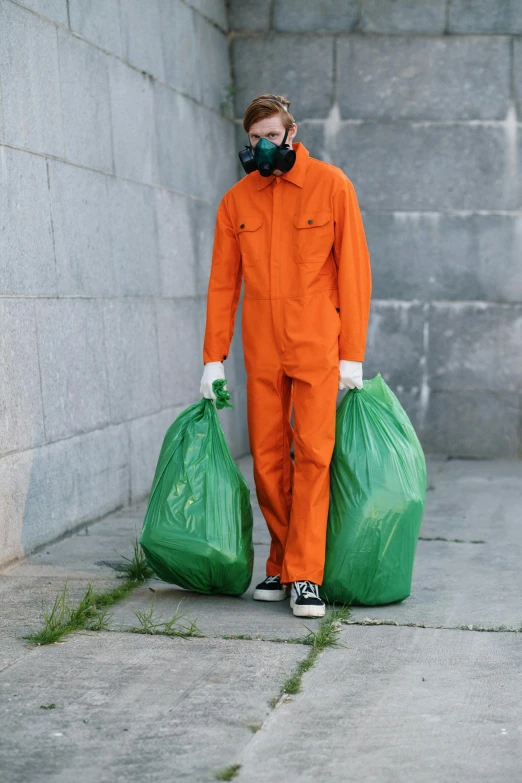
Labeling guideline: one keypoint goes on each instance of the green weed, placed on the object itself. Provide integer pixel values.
(137, 567)
(327, 635)
(90, 613)
(178, 625)
(229, 773)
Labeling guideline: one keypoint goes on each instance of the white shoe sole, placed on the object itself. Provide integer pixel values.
(309, 611)
(269, 595)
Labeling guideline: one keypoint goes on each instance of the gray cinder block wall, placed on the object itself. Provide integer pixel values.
(420, 103)
(113, 156)
(116, 143)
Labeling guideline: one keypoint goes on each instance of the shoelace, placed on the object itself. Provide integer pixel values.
(272, 579)
(306, 589)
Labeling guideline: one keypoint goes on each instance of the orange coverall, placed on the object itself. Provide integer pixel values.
(298, 240)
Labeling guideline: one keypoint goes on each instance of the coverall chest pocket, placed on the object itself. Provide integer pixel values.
(249, 234)
(313, 236)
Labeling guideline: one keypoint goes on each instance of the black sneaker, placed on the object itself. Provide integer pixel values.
(270, 589)
(305, 600)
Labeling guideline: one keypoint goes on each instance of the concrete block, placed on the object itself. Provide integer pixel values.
(177, 242)
(69, 482)
(299, 67)
(215, 10)
(73, 369)
(30, 82)
(98, 21)
(414, 166)
(141, 36)
(146, 436)
(52, 9)
(181, 323)
(217, 75)
(217, 171)
(240, 140)
(82, 233)
(181, 48)
(485, 16)
(21, 414)
(26, 241)
(403, 16)
(475, 346)
(517, 74)
(251, 15)
(194, 162)
(312, 136)
(15, 476)
(479, 424)
(203, 222)
(175, 118)
(132, 358)
(395, 343)
(435, 256)
(426, 78)
(133, 127)
(134, 238)
(84, 79)
(311, 16)
(185, 34)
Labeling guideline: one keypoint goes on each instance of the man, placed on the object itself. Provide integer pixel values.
(292, 228)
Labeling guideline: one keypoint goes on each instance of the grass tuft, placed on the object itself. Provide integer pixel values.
(178, 625)
(228, 773)
(90, 614)
(327, 635)
(136, 567)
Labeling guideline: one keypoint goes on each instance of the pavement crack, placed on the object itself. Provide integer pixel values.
(452, 540)
(470, 627)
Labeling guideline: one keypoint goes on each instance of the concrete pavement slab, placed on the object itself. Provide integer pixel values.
(24, 596)
(404, 704)
(365, 713)
(82, 557)
(457, 582)
(215, 615)
(135, 708)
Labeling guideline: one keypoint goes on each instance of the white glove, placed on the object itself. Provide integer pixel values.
(350, 374)
(213, 371)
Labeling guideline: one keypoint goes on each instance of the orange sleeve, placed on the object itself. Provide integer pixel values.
(224, 288)
(352, 258)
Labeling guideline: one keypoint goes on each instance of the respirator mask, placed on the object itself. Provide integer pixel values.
(267, 157)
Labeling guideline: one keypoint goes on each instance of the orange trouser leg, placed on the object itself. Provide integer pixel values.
(269, 403)
(315, 398)
(294, 498)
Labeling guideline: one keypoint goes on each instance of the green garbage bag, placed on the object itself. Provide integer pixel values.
(377, 496)
(197, 531)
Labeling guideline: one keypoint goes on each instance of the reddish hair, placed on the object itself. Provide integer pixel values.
(266, 105)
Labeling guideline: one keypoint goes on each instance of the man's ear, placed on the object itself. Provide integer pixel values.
(292, 133)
